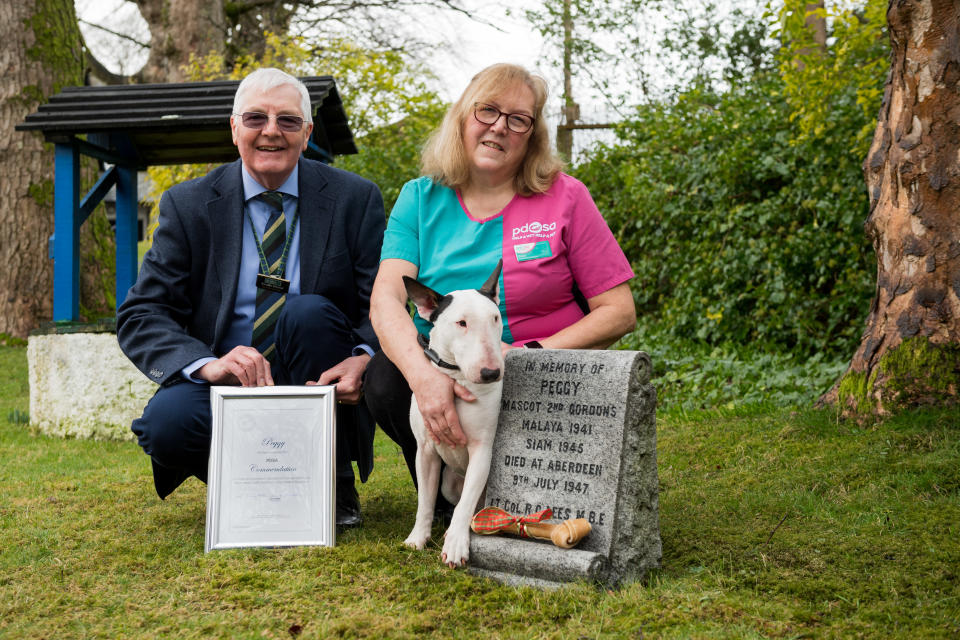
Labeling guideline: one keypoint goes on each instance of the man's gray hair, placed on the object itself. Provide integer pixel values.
(269, 78)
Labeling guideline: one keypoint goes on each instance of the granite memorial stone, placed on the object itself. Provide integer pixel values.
(577, 434)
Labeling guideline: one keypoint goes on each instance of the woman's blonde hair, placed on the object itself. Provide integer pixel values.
(444, 157)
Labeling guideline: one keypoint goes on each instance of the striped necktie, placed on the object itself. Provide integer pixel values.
(270, 303)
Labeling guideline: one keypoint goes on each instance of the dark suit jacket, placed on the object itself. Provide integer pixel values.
(178, 310)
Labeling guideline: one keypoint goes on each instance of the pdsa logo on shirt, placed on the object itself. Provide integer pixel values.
(533, 228)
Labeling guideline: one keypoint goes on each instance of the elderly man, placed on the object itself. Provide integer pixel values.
(260, 273)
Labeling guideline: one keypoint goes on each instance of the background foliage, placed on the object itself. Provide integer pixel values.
(387, 97)
(735, 189)
(740, 204)
(850, 71)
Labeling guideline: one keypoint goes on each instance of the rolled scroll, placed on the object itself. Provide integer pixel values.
(565, 535)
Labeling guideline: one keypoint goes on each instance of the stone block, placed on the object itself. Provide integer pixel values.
(81, 385)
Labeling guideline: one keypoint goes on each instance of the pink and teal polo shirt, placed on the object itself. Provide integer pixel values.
(547, 241)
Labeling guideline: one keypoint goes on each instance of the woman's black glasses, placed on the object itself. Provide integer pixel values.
(489, 114)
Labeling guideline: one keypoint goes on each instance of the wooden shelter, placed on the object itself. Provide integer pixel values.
(131, 127)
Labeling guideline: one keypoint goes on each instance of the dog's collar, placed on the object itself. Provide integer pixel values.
(432, 355)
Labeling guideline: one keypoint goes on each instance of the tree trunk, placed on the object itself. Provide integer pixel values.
(177, 29)
(250, 20)
(910, 352)
(817, 24)
(816, 31)
(39, 53)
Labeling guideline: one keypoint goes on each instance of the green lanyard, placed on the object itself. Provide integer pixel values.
(264, 266)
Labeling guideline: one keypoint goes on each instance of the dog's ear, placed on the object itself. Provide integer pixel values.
(428, 302)
(489, 287)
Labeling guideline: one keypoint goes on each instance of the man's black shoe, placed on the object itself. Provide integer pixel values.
(348, 506)
(166, 480)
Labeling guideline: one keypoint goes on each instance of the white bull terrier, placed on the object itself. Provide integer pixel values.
(464, 344)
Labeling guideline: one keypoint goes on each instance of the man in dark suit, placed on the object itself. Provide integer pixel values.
(259, 273)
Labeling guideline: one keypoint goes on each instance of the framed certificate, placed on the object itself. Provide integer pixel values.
(271, 476)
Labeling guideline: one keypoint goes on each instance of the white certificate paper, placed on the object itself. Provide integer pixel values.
(272, 467)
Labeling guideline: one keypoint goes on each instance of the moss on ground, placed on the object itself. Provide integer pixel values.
(853, 393)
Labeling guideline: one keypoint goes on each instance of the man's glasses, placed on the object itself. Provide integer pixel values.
(489, 114)
(257, 120)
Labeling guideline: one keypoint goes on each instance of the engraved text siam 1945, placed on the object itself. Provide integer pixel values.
(558, 454)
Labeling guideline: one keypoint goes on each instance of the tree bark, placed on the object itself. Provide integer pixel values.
(817, 24)
(39, 53)
(251, 19)
(177, 29)
(816, 29)
(909, 354)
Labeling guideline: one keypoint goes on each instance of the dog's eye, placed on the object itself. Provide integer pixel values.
(462, 323)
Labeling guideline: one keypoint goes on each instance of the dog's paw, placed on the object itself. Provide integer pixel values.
(456, 550)
(415, 541)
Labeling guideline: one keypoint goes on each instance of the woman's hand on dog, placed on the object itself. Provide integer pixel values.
(435, 393)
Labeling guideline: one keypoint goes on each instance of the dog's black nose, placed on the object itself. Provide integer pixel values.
(489, 375)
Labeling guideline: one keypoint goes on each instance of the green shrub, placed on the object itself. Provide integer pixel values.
(692, 375)
(741, 201)
(737, 233)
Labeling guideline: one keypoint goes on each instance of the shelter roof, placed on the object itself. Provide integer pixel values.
(157, 124)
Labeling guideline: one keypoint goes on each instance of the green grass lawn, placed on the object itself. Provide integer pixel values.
(775, 523)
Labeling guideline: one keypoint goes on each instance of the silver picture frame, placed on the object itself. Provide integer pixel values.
(272, 468)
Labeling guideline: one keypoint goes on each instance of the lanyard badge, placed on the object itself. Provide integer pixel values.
(274, 281)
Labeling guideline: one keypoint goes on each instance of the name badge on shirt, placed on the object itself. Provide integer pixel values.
(272, 283)
(532, 250)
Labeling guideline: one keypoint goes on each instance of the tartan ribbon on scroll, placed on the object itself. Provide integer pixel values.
(565, 535)
(494, 520)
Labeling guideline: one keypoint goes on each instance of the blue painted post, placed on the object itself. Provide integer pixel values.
(126, 231)
(66, 226)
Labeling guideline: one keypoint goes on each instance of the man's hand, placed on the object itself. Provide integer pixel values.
(348, 375)
(243, 365)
